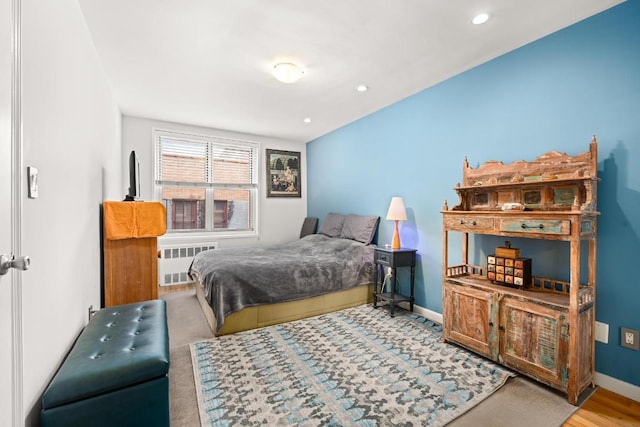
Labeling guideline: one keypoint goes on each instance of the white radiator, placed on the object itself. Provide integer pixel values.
(175, 260)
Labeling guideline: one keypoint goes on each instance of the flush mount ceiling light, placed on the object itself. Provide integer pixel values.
(362, 88)
(307, 120)
(287, 72)
(480, 18)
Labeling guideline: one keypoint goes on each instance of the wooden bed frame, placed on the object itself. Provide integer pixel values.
(272, 314)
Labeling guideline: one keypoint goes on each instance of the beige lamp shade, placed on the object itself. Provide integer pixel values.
(396, 213)
(396, 210)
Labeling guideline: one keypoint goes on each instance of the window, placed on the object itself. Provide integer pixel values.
(206, 183)
(185, 214)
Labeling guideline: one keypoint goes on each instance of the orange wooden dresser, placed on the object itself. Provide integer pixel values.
(130, 249)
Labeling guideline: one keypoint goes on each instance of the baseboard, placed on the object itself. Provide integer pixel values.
(618, 386)
(424, 312)
(605, 381)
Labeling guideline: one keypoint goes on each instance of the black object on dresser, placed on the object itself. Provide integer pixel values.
(392, 258)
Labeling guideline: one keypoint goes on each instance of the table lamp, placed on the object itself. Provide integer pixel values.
(396, 213)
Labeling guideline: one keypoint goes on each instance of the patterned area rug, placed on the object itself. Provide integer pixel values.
(352, 367)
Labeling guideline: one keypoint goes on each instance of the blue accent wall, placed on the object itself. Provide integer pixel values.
(552, 94)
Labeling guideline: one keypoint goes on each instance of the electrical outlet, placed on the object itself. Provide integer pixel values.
(630, 338)
(602, 332)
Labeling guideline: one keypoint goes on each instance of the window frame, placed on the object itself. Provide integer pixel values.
(254, 189)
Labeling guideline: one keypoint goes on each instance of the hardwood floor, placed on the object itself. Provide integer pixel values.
(603, 409)
(606, 409)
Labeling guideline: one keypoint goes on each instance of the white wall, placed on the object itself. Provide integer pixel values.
(72, 135)
(280, 218)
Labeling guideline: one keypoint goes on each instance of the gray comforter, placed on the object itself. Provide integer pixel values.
(235, 278)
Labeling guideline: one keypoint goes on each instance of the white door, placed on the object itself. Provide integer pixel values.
(7, 293)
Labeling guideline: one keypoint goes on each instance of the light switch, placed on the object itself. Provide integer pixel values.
(32, 178)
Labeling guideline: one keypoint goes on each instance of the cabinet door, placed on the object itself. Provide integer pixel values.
(130, 270)
(534, 340)
(470, 319)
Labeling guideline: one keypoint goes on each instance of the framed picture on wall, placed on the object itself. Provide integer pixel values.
(283, 173)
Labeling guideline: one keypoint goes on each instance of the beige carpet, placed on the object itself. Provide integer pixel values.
(519, 402)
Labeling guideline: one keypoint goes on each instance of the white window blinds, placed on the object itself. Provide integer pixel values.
(213, 163)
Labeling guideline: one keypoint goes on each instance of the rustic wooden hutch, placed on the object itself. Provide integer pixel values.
(545, 328)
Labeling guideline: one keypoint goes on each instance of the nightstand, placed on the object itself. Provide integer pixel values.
(392, 258)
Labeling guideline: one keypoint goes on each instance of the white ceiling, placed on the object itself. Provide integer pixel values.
(208, 62)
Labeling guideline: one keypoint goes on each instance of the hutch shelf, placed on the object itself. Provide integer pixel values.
(545, 328)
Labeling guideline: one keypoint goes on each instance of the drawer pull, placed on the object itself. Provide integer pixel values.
(472, 222)
(525, 226)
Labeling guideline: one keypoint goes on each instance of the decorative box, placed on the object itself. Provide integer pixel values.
(507, 251)
(509, 271)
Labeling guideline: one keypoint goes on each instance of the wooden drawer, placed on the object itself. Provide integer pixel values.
(384, 258)
(542, 226)
(394, 258)
(470, 224)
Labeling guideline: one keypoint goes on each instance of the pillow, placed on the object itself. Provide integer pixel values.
(332, 225)
(361, 228)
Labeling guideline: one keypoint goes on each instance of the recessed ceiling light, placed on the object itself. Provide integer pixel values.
(362, 88)
(287, 72)
(307, 120)
(480, 18)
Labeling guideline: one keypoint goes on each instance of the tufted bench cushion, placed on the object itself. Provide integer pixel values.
(117, 371)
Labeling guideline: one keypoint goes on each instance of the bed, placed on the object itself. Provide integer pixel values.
(248, 288)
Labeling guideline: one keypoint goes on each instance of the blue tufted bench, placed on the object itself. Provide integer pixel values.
(117, 373)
